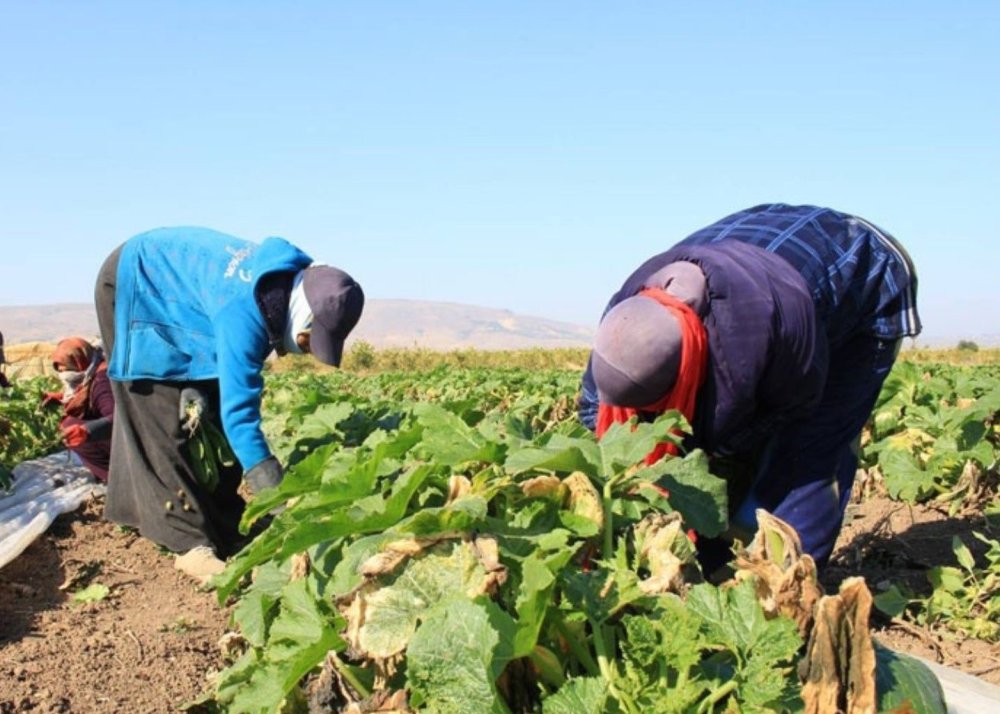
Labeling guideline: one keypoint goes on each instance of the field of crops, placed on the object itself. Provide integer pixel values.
(454, 541)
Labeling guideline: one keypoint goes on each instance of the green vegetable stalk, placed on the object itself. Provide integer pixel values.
(207, 447)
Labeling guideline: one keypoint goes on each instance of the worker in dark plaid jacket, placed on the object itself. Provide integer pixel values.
(794, 316)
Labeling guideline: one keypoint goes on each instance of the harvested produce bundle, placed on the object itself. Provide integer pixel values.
(207, 447)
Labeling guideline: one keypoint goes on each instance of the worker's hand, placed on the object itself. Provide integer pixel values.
(267, 474)
(75, 435)
(51, 398)
(193, 405)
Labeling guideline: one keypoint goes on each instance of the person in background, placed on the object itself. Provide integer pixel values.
(772, 331)
(4, 382)
(87, 402)
(188, 316)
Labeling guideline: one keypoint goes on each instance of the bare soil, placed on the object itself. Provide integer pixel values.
(148, 646)
(889, 542)
(152, 644)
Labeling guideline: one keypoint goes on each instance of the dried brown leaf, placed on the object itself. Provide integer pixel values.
(583, 498)
(544, 487)
(299, 566)
(458, 486)
(656, 537)
(784, 577)
(838, 671)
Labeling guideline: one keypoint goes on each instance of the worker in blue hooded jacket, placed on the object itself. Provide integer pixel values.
(188, 316)
(772, 330)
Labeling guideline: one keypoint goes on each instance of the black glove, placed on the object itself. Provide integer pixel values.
(99, 429)
(192, 407)
(267, 474)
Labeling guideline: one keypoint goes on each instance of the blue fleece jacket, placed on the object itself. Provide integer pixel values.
(185, 310)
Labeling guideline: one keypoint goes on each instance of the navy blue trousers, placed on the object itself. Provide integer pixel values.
(806, 470)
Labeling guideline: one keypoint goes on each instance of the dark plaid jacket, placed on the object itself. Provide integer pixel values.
(861, 278)
(767, 363)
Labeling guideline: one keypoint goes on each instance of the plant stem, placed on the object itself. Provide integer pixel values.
(602, 654)
(348, 675)
(718, 695)
(603, 660)
(608, 547)
(581, 653)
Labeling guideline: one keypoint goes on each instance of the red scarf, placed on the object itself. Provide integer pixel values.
(690, 375)
(77, 354)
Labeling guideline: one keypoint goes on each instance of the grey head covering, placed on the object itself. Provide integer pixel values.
(685, 281)
(637, 352)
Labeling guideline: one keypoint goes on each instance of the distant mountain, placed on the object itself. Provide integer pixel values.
(386, 323)
(47, 323)
(443, 325)
(933, 340)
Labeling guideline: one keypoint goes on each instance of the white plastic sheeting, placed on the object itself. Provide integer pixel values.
(964, 693)
(43, 489)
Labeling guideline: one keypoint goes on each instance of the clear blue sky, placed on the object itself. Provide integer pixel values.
(525, 155)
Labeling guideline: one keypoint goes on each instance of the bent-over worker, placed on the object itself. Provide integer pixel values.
(772, 331)
(189, 315)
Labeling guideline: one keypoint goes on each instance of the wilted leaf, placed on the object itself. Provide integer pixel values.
(784, 577)
(664, 550)
(384, 613)
(583, 499)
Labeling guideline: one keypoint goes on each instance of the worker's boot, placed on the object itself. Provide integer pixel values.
(200, 563)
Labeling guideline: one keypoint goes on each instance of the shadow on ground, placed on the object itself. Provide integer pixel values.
(30, 584)
(901, 544)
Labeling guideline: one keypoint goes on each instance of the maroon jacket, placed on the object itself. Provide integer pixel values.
(98, 418)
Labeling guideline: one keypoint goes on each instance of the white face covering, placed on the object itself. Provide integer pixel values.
(300, 316)
(71, 381)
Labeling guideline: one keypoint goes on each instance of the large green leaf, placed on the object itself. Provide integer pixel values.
(455, 657)
(450, 441)
(762, 650)
(561, 454)
(661, 654)
(624, 445)
(463, 514)
(904, 478)
(698, 495)
(584, 695)
(254, 610)
(535, 595)
(893, 602)
(301, 478)
(601, 593)
(323, 422)
(300, 636)
(297, 529)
